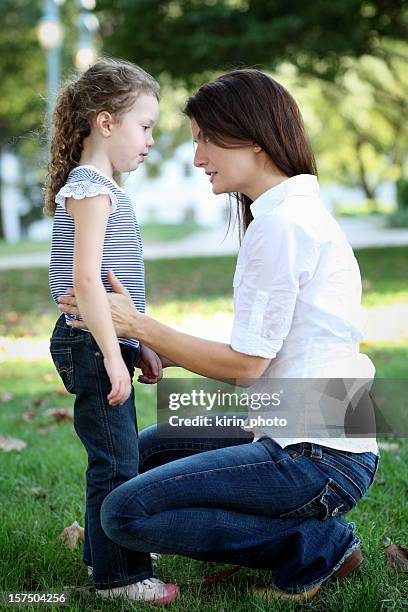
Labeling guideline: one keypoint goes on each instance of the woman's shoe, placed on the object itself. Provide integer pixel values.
(150, 590)
(348, 566)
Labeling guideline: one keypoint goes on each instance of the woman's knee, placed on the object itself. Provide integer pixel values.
(120, 512)
(147, 440)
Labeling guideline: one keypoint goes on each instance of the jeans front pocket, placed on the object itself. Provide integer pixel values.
(62, 358)
(331, 501)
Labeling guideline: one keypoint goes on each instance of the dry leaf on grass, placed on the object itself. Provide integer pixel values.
(48, 377)
(71, 536)
(221, 576)
(38, 492)
(59, 414)
(6, 397)
(9, 444)
(28, 416)
(45, 430)
(389, 446)
(397, 557)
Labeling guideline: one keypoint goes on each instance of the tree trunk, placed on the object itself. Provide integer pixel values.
(368, 190)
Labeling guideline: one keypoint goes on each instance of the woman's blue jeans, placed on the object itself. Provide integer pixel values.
(110, 437)
(252, 504)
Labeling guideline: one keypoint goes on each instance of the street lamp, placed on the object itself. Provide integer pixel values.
(50, 35)
(87, 24)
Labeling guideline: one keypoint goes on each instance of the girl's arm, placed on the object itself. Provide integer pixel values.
(91, 217)
(207, 358)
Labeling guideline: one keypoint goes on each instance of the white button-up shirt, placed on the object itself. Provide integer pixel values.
(297, 295)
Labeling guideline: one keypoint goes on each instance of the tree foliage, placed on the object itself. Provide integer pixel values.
(189, 37)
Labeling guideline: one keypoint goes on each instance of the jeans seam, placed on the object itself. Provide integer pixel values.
(321, 461)
(123, 582)
(300, 589)
(158, 449)
(113, 463)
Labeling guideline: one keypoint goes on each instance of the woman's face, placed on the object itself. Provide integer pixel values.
(228, 170)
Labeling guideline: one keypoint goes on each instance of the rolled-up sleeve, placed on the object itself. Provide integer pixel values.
(275, 260)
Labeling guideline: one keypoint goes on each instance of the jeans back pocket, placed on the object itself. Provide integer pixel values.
(62, 358)
(331, 501)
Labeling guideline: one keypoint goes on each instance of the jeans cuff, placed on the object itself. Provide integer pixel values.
(113, 584)
(305, 587)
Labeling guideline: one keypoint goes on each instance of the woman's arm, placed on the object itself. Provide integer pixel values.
(204, 357)
(91, 217)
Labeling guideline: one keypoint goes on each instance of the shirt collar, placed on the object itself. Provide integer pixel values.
(301, 184)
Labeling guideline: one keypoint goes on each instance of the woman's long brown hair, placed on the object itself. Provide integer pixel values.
(245, 107)
(109, 85)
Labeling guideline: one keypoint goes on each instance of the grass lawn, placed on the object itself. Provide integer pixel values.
(151, 232)
(31, 555)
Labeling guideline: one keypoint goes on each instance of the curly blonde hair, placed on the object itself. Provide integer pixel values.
(109, 85)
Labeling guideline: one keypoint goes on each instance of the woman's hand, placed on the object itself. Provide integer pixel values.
(150, 365)
(122, 308)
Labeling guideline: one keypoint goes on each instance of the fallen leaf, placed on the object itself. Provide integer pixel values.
(397, 557)
(389, 446)
(59, 414)
(48, 377)
(39, 401)
(380, 481)
(28, 416)
(44, 430)
(8, 444)
(6, 397)
(11, 317)
(71, 536)
(38, 492)
(61, 391)
(221, 576)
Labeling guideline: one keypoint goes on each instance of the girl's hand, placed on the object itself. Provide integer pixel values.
(150, 365)
(120, 380)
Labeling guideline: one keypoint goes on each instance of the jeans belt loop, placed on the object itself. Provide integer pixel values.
(316, 451)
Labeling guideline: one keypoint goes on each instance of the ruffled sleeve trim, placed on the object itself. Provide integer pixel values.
(85, 189)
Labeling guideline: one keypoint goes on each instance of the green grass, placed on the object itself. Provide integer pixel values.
(166, 232)
(364, 207)
(31, 555)
(151, 232)
(24, 247)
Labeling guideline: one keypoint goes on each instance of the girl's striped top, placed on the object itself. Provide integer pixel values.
(122, 249)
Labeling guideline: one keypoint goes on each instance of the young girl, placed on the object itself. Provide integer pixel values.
(103, 124)
(276, 501)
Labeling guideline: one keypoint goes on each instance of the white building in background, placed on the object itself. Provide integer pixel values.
(180, 191)
(12, 202)
(170, 198)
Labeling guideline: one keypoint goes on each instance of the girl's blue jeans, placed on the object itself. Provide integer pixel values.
(252, 504)
(110, 437)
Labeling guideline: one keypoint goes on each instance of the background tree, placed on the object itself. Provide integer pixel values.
(186, 38)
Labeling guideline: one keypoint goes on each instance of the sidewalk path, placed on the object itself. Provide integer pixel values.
(360, 231)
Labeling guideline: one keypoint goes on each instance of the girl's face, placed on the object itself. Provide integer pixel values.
(228, 170)
(131, 138)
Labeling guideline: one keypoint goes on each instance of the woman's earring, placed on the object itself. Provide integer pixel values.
(257, 148)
